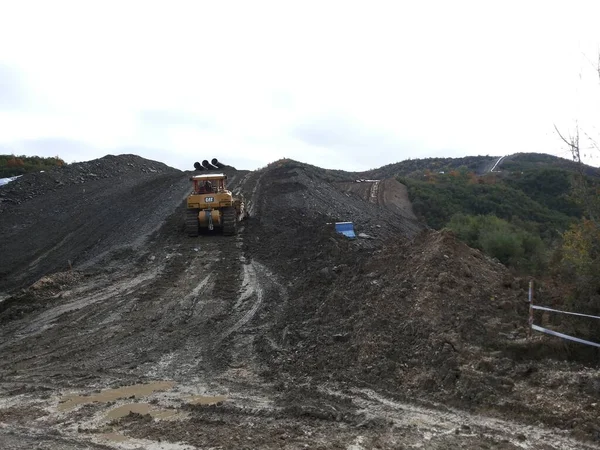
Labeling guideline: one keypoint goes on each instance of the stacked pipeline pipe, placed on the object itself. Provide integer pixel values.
(213, 165)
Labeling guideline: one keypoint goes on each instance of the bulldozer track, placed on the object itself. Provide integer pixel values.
(191, 222)
(229, 224)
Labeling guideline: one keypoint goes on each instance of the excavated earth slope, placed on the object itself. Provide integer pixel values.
(287, 335)
(81, 211)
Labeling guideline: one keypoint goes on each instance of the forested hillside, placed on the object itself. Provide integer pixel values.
(11, 165)
(518, 213)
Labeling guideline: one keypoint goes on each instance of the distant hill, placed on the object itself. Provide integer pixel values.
(539, 161)
(476, 164)
(516, 213)
(529, 188)
(479, 165)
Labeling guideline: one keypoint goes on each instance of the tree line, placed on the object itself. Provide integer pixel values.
(12, 165)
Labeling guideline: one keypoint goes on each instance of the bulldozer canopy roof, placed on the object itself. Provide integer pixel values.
(210, 176)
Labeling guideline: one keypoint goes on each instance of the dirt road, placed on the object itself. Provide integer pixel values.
(161, 341)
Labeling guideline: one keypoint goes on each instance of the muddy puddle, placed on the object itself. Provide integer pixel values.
(69, 402)
(206, 400)
(140, 408)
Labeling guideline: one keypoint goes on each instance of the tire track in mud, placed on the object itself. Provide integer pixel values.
(220, 308)
(193, 297)
(48, 318)
(191, 304)
(252, 200)
(435, 424)
(251, 289)
(246, 322)
(374, 192)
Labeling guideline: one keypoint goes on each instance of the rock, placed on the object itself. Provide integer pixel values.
(339, 267)
(467, 272)
(341, 337)
(325, 271)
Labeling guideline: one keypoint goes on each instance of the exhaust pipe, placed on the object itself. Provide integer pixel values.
(215, 162)
(198, 166)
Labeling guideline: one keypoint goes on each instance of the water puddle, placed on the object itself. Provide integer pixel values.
(69, 402)
(140, 408)
(204, 400)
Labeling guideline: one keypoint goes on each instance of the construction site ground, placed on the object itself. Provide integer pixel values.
(117, 330)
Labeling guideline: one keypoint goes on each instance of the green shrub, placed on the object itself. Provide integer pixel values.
(436, 200)
(501, 244)
(511, 245)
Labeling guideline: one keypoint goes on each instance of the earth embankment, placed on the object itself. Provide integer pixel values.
(286, 335)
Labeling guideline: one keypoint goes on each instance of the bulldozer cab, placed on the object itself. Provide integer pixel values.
(206, 184)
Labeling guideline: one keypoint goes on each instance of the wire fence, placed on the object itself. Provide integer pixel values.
(533, 327)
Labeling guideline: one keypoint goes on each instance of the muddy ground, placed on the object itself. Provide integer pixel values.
(284, 336)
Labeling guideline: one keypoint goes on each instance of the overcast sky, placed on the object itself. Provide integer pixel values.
(349, 85)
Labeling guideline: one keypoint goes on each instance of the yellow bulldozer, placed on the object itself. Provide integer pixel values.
(211, 206)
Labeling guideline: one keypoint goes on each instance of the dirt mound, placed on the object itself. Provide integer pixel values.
(35, 184)
(409, 311)
(389, 193)
(289, 197)
(41, 294)
(418, 314)
(73, 213)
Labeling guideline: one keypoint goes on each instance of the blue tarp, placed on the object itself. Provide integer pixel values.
(346, 228)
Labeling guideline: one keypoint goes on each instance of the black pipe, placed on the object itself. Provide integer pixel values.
(207, 165)
(198, 166)
(215, 162)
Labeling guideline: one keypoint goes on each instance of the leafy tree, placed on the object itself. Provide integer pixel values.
(437, 197)
(549, 187)
(581, 248)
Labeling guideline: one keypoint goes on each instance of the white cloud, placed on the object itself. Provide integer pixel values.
(241, 78)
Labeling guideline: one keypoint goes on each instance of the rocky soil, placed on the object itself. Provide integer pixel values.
(119, 331)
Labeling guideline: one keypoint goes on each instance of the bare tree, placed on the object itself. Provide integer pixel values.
(588, 194)
(582, 189)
